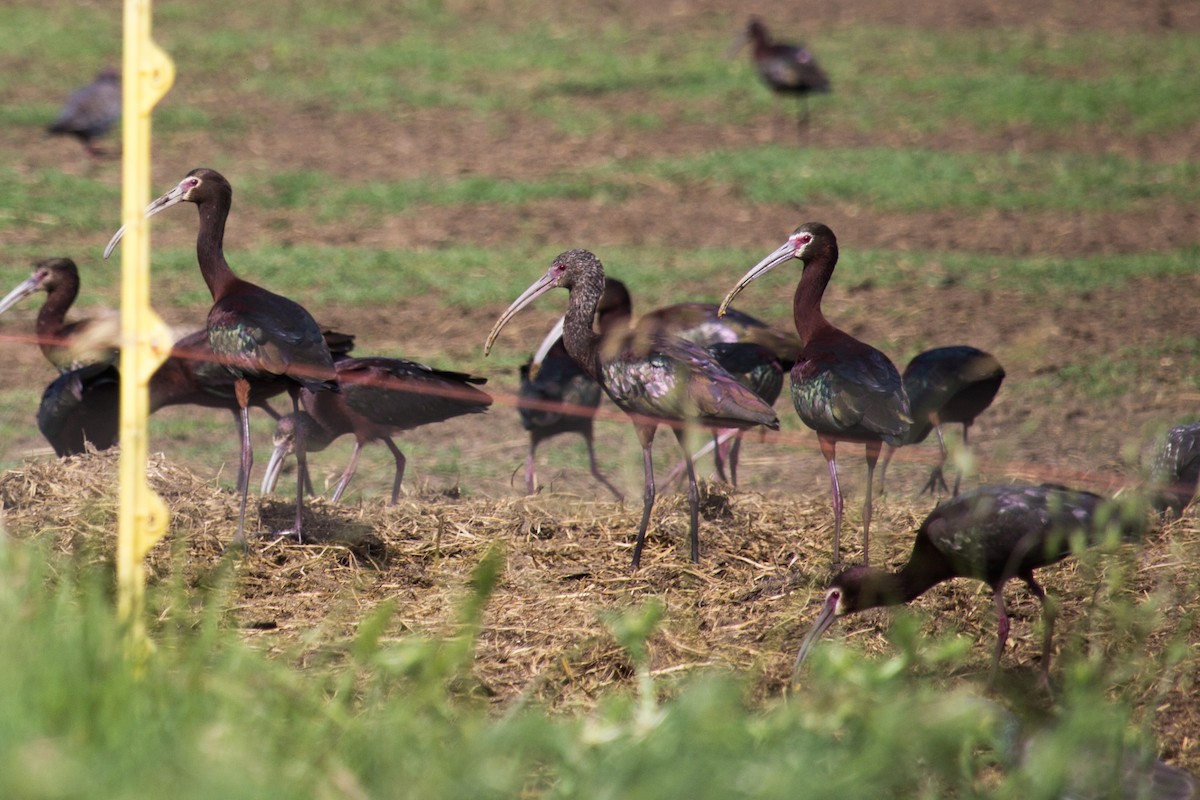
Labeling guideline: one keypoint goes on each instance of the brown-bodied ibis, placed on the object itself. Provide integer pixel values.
(253, 332)
(66, 345)
(80, 407)
(786, 69)
(844, 389)
(90, 112)
(379, 397)
(991, 534)
(653, 379)
(944, 385)
(1176, 470)
(558, 395)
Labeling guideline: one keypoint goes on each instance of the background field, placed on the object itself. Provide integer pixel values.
(1023, 177)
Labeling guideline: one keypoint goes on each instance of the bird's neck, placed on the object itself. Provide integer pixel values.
(210, 251)
(806, 304)
(52, 313)
(882, 588)
(580, 340)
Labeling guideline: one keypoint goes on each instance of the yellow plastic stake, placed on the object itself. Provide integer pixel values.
(147, 74)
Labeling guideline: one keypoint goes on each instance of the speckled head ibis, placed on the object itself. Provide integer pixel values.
(992, 534)
(945, 384)
(80, 407)
(90, 112)
(844, 389)
(379, 397)
(66, 345)
(255, 333)
(786, 69)
(653, 381)
(559, 397)
(1176, 470)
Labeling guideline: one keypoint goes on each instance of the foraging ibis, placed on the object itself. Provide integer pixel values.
(653, 379)
(253, 332)
(379, 397)
(66, 345)
(566, 398)
(90, 112)
(1176, 470)
(844, 389)
(992, 534)
(945, 384)
(80, 407)
(786, 69)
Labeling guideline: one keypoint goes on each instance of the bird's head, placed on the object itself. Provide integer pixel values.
(805, 243)
(284, 440)
(47, 275)
(572, 269)
(855, 588)
(198, 186)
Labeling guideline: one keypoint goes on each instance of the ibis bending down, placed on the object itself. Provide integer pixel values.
(1176, 470)
(653, 379)
(844, 389)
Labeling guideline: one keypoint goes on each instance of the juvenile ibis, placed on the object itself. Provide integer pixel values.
(255, 333)
(90, 112)
(79, 407)
(844, 389)
(991, 534)
(566, 398)
(1176, 470)
(945, 384)
(653, 379)
(66, 345)
(786, 69)
(379, 397)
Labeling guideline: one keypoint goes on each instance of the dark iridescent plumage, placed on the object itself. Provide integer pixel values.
(844, 389)
(945, 384)
(786, 68)
(90, 112)
(379, 397)
(60, 340)
(654, 379)
(992, 534)
(1176, 470)
(81, 405)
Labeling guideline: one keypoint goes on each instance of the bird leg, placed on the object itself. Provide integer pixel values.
(828, 449)
(958, 475)
(646, 435)
(693, 495)
(719, 457)
(1047, 624)
(241, 389)
(400, 462)
(348, 472)
(591, 451)
(302, 468)
(888, 452)
(530, 471)
(872, 457)
(1002, 626)
(937, 479)
(734, 451)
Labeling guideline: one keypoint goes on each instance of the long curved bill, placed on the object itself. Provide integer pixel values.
(23, 290)
(543, 350)
(539, 288)
(784, 252)
(824, 620)
(169, 199)
(275, 465)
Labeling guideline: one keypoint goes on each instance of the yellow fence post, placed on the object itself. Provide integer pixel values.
(147, 74)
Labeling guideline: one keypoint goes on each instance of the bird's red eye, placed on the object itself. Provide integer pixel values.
(803, 239)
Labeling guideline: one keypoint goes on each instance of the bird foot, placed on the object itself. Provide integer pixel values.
(936, 483)
(286, 533)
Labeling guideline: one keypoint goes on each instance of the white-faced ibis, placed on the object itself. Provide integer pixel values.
(80, 407)
(657, 380)
(1176, 470)
(945, 384)
(253, 332)
(844, 389)
(992, 534)
(566, 398)
(379, 397)
(62, 342)
(787, 69)
(90, 112)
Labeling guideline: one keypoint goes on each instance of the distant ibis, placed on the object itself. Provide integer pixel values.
(566, 398)
(945, 384)
(80, 407)
(379, 397)
(786, 69)
(1176, 470)
(66, 345)
(90, 112)
(992, 534)
(253, 332)
(844, 389)
(653, 379)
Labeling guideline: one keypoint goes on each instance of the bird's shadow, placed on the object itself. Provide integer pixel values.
(325, 525)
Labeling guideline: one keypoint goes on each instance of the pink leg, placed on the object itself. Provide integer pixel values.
(828, 449)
